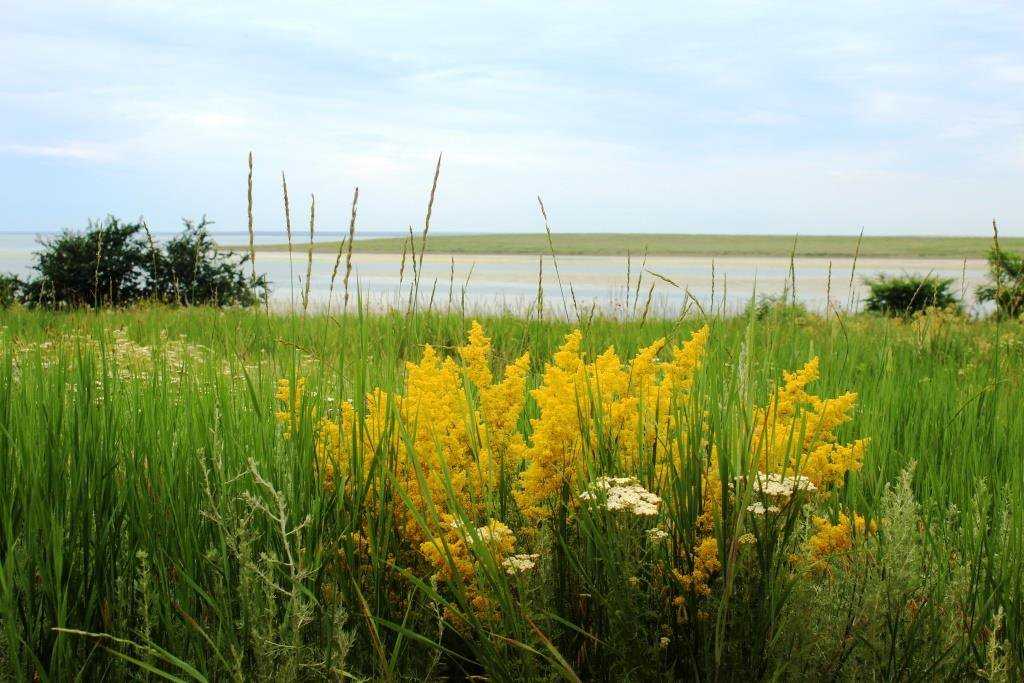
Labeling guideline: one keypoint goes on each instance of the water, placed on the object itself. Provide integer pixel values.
(490, 282)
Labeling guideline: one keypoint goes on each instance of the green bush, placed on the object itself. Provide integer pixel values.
(10, 289)
(113, 263)
(102, 266)
(189, 270)
(1006, 289)
(905, 295)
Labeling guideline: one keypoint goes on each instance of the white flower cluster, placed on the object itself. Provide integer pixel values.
(758, 508)
(778, 486)
(656, 535)
(777, 489)
(623, 493)
(519, 564)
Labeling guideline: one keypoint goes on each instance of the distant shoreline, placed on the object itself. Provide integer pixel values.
(619, 244)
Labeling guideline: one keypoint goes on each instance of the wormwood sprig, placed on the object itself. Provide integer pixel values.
(277, 607)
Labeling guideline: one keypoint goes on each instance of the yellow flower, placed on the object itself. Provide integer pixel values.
(290, 414)
(830, 540)
(556, 439)
(705, 564)
(455, 555)
(334, 437)
(602, 407)
(796, 432)
(476, 356)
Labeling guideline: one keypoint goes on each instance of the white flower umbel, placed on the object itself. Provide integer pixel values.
(623, 493)
(779, 488)
(519, 564)
(656, 535)
(758, 508)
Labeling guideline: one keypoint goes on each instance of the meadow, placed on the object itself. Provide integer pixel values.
(204, 494)
(661, 244)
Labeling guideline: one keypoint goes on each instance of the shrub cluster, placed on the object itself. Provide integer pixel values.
(10, 286)
(113, 263)
(1006, 288)
(905, 295)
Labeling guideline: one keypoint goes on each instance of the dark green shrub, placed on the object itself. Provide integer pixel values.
(103, 266)
(189, 270)
(905, 295)
(1006, 289)
(10, 289)
(116, 264)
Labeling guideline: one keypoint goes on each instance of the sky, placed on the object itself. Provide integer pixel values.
(732, 116)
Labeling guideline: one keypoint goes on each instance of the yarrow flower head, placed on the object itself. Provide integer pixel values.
(778, 487)
(656, 535)
(623, 493)
(758, 508)
(519, 564)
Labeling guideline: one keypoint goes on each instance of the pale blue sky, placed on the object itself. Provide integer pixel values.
(811, 117)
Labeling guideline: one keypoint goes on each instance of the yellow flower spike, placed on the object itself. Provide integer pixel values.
(625, 408)
(644, 366)
(289, 414)
(556, 437)
(792, 413)
(685, 361)
(476, 356)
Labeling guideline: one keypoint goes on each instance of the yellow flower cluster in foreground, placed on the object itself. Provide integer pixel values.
(454, 441)
(606, 404)
(796, 432)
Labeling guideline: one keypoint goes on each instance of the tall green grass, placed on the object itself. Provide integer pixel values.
(154, 522)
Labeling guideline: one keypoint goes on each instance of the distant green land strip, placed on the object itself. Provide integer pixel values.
(617, 244)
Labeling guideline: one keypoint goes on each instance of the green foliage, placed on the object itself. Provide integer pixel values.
(189, 270)
(895, 604)
(10, 289)
(905, 295)
(1006, 289)
(102, 266)
(113, 263)
(152, 519)
(774, 306)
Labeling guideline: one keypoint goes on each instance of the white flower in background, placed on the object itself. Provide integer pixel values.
(656, 535)
(519, 564)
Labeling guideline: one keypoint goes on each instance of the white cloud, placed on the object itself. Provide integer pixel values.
(73, 150)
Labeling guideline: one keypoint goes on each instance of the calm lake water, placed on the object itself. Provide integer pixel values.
(490, 282)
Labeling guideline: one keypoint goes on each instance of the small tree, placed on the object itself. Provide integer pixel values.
(10, 289)
(189, 270)
(103, 266)
(1006, 288)
(905, 295)
(114, 264)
